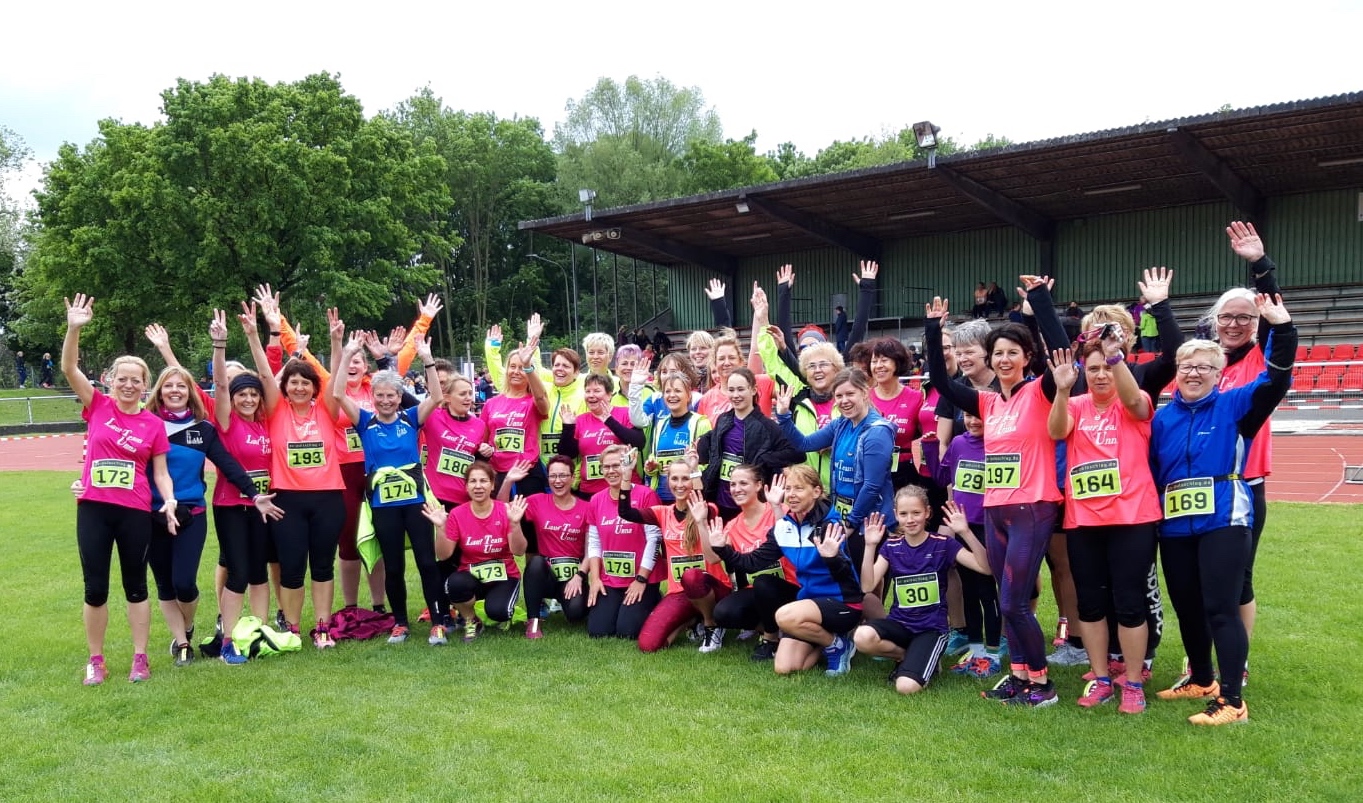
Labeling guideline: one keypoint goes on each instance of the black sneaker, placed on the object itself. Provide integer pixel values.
(380, 609)
(764, 651)
(1011, 686)
(280, 623)
(217, 628)
(184, 656)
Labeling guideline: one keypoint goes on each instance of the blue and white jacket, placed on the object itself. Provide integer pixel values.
(794, 540)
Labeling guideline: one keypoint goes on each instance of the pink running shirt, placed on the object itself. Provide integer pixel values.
(118, 449)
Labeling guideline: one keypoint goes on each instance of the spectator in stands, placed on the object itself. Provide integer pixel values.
(997, 301)
(1149, 328)
(1015, 314)
(840, 327)
(640, 339)
(981, 308)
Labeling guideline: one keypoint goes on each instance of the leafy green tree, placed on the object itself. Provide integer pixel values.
(13, 156)
(712, 166)
(243, 182)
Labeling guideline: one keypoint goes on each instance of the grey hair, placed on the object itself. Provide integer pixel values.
(1242, 293)
(390, 378)
(970, 333)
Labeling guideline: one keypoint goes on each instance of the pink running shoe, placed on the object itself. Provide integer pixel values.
(141, 669)
(95, 672)
(1133, 700)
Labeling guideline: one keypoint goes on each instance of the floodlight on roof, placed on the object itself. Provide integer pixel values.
(926, 134)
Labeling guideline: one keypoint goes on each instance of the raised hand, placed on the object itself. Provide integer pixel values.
(954, 516)
(640, 375)
(534, 327)
(396, 338)
(718, 537)
(354, 345)
(247, 318)
(776, 492)
(714, 290)
(873, 529)
(519, 471)
(777, 335)
(334, 325)
(695, 505)
(435, 513)
(515, 510)
(1271, 307)
(1245, 242)
(784, 393)
(217, 328)
(937, 310)
(833, 537)
(423, 349)
(1031, 282)
(1155, 287)
(1063, 369)
(869, 270)
(494, 333)
(567, 414)
(303, 340)
(268, 302)
(431, 308)
(759, 298)
(376, 347)
(157, 335)
(81, 311)
(785, 275)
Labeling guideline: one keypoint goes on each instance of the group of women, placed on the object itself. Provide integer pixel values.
(779, 493)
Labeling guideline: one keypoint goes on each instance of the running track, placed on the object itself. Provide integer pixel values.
(1306, 468)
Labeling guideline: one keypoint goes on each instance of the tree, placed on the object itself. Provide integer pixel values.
(13, 156)
(497, 172)
(243, 182)
(709, 166)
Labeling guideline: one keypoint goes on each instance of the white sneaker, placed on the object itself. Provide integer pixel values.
(714, 639)
(1068, 655)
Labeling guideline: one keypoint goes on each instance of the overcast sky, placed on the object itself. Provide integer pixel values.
(804, 72)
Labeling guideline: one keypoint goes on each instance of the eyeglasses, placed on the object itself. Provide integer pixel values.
(1200, 370)
(609, 467)
(1226, 319)
(553, 477)
(822, 365)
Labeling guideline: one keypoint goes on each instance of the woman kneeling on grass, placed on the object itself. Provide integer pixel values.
(114, 509)
(828, 605)
(765, 590)
(622, 557)
(560, 521)
(486, 536)
(917, 565)
(696, 580)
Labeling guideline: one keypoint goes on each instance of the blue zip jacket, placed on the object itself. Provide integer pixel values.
(1209, 440)
(860, 462)
(191, 443)
(820, 577)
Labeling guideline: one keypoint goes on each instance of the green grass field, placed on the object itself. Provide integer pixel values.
(30, 406)
(568, 718)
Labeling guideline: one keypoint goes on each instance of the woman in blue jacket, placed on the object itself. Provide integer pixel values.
(1199, 443)
(862, 443)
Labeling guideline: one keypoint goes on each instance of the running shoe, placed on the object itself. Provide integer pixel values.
(714, 639)
(554, 607)
(95, 672)
(839, 655)
(141, 668)
(764, 651)
(380, 609)
(1034, 695)
(1186, 689)
(281, 622)
(1220, 712)
(1096, 693)
(398, 634)
(230, 655)
(985, 666)
(1068, 655)
(472, 629)
(1006, 689)
(962, 667)
(957, 643)
(321, 639)
(184, 654)
(1062, 632)
(544, 610)
(696, 633)
(533, 629)
(1133, 700)
(217, 629)
(437, 636)
(744, 635)
(1244, 679)
(425, 615)
(1120, 680)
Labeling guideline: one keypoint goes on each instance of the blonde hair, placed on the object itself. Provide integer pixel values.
(912, 492)
(1212, 349)
(821, 351)
(720, 342)
(138, 362)
(195, 402)
(1112, 313)
(599, 339)
(700, 337)
(804, 473)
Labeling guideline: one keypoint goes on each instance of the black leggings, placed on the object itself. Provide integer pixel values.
(1110, 566)
(307, 536)
(610, 616)
(393, 527)
(756, 605)
(540, 584)
(243, 545)
(499, 598)
(175, 558)
(1205, 574)
(980, 598)
(100, 527)
(1259, 495)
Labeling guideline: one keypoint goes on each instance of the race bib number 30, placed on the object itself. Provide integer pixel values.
(1095, 479)
(916, 590)
(489, 571)
(112, 474)
(509, 439)
(306, 454)
(564, 568)
(1192, 497)
(618, 564)
(1003, 471)
(970, 476)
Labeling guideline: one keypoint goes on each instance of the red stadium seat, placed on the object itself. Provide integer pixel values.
(1327, 383)
(1319, 353)
(1301, 353)
(1344, 352)
(1309, 371)
(1303, 383)
(1352, 379)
